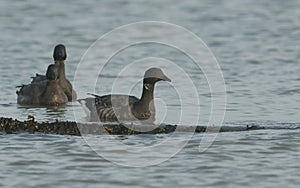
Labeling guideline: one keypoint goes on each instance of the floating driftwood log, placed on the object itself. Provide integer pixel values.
(10, 126)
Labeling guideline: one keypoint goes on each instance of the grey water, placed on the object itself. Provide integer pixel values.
(257, 45)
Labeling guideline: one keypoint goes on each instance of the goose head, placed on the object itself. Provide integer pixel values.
(52, 72)
(154, 75)
(59, 53)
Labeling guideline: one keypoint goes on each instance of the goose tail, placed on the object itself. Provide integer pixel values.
(89, 107)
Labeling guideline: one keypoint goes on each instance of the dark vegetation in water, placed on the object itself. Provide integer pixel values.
(10, 126)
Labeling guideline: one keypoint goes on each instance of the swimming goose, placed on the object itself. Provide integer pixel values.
(125, 107)
(44, 93)
(60, 55)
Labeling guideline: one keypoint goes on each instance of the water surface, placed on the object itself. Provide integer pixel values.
(257, 47)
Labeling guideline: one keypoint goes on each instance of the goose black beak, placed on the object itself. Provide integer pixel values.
(166, 79)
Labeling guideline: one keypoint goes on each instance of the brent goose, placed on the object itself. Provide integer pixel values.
(124, 107)
(60, 55)
(44, 93)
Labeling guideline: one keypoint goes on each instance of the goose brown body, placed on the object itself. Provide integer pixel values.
(44, 93)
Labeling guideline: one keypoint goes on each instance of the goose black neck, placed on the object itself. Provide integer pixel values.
(61, 69)
(148, 92)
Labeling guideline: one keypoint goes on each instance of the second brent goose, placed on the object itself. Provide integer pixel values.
(125, 107)
(44, 93)
(60, 55)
